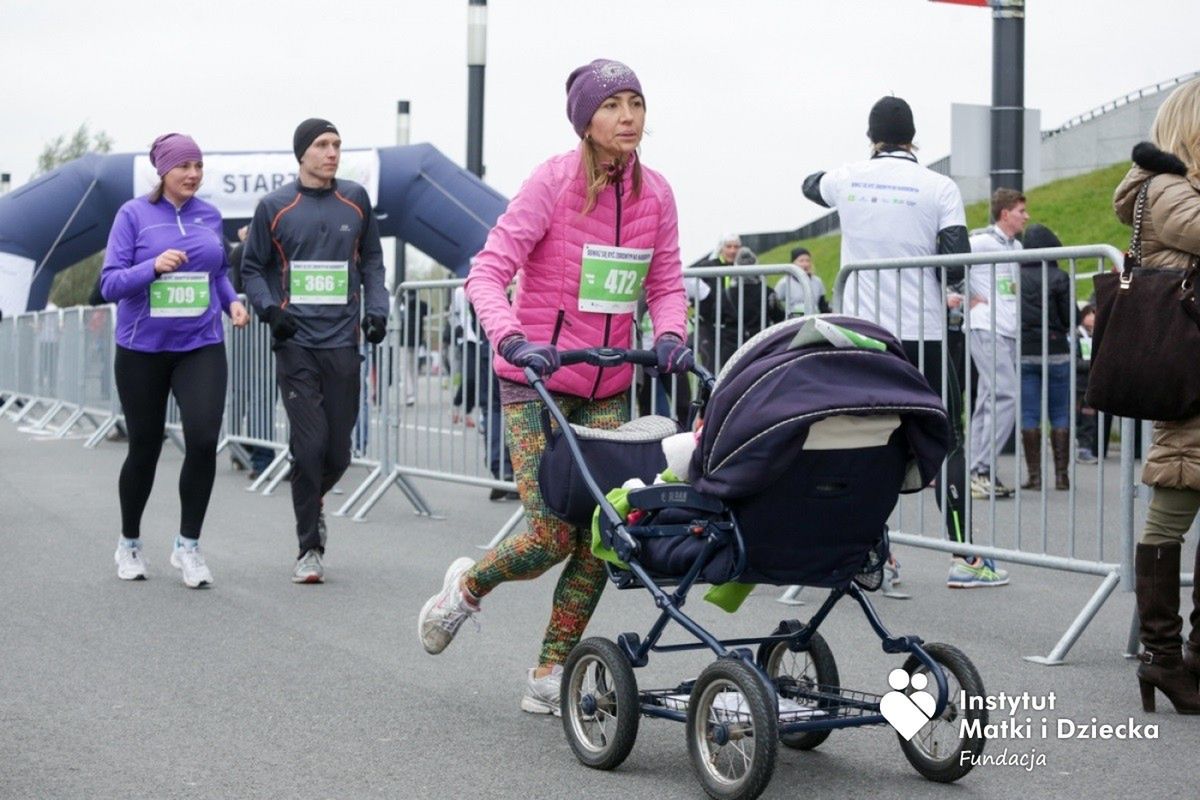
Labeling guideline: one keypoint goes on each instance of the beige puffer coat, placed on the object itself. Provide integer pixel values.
(1170, 235)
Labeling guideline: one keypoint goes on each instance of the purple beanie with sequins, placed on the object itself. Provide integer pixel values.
(590, 85)
(172, 149)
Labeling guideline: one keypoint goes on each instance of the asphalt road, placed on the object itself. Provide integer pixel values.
(260, 688)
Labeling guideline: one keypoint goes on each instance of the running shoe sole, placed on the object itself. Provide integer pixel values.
(532, 705)
(177, 564)
(976, 584)
(452, 573)
(140, 576)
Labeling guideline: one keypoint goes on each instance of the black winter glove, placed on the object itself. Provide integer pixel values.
(283, 325)
(673, 354)
(518, 351)
(375, 328)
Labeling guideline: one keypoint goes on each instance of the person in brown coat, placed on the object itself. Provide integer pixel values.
(1170, 239)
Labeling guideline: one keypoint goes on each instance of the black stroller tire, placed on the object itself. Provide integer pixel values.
(599, 702)
(936, 751)
(813, 668)
(732, 748)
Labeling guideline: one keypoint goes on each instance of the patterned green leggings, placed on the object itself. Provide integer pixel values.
(549, 539)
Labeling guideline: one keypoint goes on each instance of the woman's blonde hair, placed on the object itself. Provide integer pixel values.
(1176, 127)
(597, 175)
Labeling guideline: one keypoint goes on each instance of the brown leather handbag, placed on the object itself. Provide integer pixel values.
(1146, 345)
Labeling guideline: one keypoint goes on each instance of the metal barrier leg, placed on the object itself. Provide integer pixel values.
(1110, 583)
(1132, 646)
(12, 400)
(29, 405)
(791, 597)
(69, 423)
(41, 424)
(404, 485)
(513, 523)
(101, 431)
(265, 475)
(278, 479)
(359, 492)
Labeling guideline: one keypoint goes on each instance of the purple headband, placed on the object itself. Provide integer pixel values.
(590, 85)
(172, 149)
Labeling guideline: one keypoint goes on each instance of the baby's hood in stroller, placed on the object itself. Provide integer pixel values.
(792, 375)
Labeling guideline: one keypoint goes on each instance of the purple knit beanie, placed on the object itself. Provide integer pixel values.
(590, 85)
(172, 149)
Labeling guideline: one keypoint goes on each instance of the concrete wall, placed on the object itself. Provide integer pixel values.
(1101, 141)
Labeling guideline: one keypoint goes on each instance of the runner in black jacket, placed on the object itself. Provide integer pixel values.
(312, 257)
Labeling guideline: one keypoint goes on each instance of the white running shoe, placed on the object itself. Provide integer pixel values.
(309, 569)
(542, 694)
(190, 562)
(445, 612)
(130, 564)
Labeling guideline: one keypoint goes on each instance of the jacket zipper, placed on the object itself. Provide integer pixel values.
(179, 222)
(620, 189)
(558, 323)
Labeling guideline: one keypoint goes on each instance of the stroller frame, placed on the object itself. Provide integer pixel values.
(827, 707)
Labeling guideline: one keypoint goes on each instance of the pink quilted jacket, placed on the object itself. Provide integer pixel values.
(541, 236)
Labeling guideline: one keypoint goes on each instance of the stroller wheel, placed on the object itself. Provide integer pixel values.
(808, 677)
(600, 707)
(936, 750)
(732, 731)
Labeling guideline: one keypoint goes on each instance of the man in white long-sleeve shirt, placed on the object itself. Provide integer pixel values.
(994, 323)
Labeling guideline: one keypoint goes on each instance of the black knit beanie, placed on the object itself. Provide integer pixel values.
(891, 122)
(307, 132)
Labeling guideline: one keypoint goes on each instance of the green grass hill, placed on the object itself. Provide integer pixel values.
(1078, 209)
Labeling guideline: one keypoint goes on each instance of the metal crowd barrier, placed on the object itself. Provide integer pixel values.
(1072, 531)
(430, 412)
(430, 405)
(56, 370)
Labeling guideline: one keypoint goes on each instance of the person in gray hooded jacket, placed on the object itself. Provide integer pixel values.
(311, 260)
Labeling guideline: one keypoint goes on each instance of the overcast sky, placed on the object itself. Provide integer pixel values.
(744, 99)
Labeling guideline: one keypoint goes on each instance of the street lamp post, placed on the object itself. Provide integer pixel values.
(1008, 94)
(476, 63)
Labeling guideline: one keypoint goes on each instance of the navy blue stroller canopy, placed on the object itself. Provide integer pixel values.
(814, 428)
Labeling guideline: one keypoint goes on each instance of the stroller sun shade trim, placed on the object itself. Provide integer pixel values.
(825, 412)
(769, 374)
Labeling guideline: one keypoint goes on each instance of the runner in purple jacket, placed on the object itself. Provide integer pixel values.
(165, 268)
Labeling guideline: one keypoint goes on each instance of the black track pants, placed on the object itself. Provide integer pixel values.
(144, 382)
(320, 390)
(953, 509)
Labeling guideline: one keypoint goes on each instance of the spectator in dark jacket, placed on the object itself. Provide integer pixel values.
(748, 306)
(1045, 353)
(706, 291)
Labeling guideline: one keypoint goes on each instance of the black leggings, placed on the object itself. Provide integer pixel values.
(954, 507)
(144, 380)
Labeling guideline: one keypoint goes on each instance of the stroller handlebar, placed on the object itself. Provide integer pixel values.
(615, 356)
(608, 357)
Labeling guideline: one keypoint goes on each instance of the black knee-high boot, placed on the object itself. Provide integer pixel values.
(1157, 571)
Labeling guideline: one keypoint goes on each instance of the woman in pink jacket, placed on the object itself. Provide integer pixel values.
(586, 233)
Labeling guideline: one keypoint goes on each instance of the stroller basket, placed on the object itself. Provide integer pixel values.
(809, 703)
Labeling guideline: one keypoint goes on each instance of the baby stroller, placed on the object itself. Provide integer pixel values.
(813, 429)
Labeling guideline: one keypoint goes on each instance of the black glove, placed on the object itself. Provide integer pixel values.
(283, 325)
(375, 328)
(518, 351)
(673, 354)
